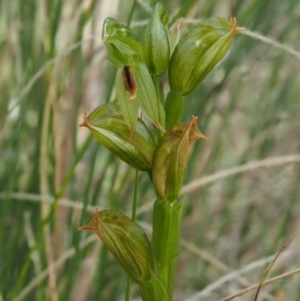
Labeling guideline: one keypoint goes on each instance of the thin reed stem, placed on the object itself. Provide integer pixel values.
(131, 12)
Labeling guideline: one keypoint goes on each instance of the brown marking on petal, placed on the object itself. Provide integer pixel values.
(114, 217)
(176, 26)
(132, 133)
(192, 124)
(194, 133)
(85, 122)
(129, 81)
(199, 136)
(84, 228)
(99, 223)
(235, 29)
(177, 133)
(159, 126)
(91, 224)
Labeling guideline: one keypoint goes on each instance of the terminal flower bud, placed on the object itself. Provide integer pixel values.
(122, 45)
(110, 129)
(126, 241)
(198, 53)
(155, 41)
(171, 158)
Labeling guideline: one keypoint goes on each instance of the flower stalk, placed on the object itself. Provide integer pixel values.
(162, 151)
(167, 217)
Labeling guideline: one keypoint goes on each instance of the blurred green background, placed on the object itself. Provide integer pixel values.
(242, 185)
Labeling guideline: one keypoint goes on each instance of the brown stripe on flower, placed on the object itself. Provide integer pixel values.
(129, 81)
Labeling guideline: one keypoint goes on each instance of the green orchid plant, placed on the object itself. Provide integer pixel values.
(162, 150)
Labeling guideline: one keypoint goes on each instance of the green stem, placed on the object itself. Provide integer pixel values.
(166, 241)
(133, 217)
(174, 108)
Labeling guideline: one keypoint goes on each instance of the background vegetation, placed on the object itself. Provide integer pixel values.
(242, 186)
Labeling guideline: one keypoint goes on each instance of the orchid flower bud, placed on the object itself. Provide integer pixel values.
(122, 45)
(171, 158)
(110, 129)
(155, 41)
(126, 241)
(199, 52)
